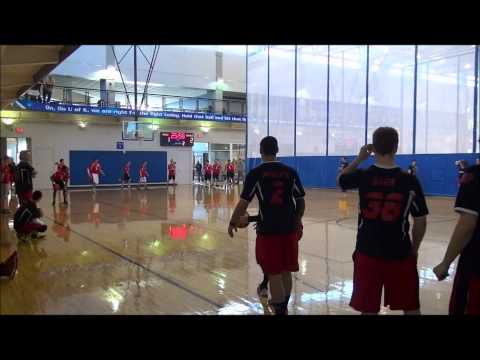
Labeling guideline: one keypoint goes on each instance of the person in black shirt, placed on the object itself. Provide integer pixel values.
(26, 220)
(465, 241)
(384, 255)
(412, 168)
(24, 174)
(281, 201)
(461, 166)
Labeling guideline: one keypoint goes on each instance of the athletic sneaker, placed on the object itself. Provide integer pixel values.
(37, 236)
(23, 237)
(263, 296)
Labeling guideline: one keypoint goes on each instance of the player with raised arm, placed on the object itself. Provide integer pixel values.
(385, 256)
(281, 200)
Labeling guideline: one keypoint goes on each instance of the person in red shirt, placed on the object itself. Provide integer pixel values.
(208, 172)
(144, 174)
(216, 171)
(94, 170)
(230, 168)
(58, 182)
(5, 180)
(126, 174)
(172, 170)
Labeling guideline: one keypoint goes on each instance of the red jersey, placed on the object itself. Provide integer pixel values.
(216, 169)
(64, 170)
(58, 176)
(172, 168)
(6, 174)
(208, 169)
(230, 168)
(95, 168)
(143, 171)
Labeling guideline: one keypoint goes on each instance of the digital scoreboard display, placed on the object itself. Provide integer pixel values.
(179, 138)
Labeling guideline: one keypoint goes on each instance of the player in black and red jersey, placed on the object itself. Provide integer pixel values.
(384, 256)
(281, 200)
(208, 173)
(230, 170)
(465, 241)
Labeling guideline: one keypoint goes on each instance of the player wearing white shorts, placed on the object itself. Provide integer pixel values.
(94, 171)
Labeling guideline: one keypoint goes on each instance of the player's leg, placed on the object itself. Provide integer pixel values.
(401, 285)
(54, 194)
(367, 284)
(287, 285)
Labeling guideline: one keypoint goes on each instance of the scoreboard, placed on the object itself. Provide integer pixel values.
(179, 138)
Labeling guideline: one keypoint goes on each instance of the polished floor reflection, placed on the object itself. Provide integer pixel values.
(166, 251)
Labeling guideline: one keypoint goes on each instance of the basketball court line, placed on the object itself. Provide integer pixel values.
(126, 258)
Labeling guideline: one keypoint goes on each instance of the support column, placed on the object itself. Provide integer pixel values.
(218, 95)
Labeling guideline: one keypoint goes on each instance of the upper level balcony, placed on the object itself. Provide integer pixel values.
(86, 101)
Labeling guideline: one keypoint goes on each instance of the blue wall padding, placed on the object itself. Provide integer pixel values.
(437, 172)
(113, 162)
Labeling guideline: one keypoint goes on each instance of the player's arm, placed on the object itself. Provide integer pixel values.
(419, 229)
(247, 195)
(419, 212)
(468, 205)
(363, 155)
(460, 238)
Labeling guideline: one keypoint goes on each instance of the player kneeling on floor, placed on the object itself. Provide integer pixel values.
(384, 256)
(281, 200)
(26, 221)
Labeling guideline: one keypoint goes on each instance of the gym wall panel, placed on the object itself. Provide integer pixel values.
(436, 172)
(112, 164)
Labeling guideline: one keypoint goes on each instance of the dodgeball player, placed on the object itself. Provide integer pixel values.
(172, 170)
(230, 169)
(144, 175)
(384, 256)
(216, 172)
(208, 172)
(281, 200)
(126, 174)
(58, 182)
(24, 175)
(94, 171)
(412, 168)
(27, 221)
(465, 241)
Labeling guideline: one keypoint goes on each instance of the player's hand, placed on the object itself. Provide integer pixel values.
(441, 271)
(415, 252)
(365, 152)
(230, 230)
(243, 221)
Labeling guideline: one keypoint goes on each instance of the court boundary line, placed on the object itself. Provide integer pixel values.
(144, 267)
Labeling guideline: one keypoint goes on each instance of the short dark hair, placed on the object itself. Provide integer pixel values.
(61, 160)
(385, 140)
(37, 195)
(269, 146)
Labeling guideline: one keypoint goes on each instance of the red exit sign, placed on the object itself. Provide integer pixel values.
(19, 130)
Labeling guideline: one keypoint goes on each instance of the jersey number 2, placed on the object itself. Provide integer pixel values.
(277, 195)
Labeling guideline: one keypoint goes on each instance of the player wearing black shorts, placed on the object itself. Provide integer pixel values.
(385, 256)
(126, 174)
(465, 241)
(281, 200)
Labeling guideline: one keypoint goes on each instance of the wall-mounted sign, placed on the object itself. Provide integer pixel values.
(110, 111)
(120, 145)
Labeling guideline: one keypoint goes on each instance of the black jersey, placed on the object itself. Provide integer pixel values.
(277, 187)
(387, 197)
(468, 201)
(23, 178)
(26, 214)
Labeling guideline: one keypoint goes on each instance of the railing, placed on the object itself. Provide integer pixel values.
(65, 95)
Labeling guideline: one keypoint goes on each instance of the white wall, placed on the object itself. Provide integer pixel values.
(52, 141)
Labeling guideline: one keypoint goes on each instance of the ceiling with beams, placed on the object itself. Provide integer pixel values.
(21, 66)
